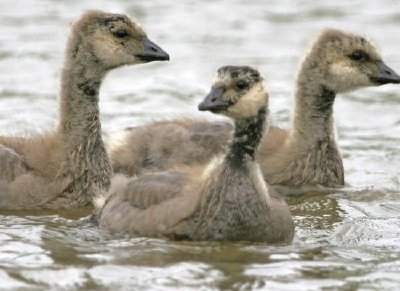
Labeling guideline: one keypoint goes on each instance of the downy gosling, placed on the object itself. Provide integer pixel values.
(67, 166)
(307, 155)
(226, 199)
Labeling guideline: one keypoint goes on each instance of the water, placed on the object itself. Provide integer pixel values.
(346, 240)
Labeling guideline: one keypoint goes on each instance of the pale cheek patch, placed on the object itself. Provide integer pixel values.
(110, 52)
(250, 103)
(345, 77)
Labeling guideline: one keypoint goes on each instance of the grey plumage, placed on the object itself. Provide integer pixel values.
(306, 155)
(12, 164)
(225, 199)
(66, 167)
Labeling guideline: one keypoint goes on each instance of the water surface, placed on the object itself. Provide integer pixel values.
(345, 240)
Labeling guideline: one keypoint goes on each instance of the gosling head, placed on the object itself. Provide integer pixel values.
(345, 62)
(114, 40)
(237, 91)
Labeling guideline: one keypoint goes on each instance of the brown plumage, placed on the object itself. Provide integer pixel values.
(225, 199)
(306, 155)
(64, 168)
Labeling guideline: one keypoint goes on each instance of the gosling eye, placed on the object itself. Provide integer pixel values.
(121, 33)
(241, 85)
(357, 56)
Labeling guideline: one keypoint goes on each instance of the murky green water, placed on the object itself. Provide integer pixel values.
(347, 240)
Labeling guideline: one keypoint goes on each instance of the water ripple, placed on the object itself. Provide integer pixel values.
(346, 239)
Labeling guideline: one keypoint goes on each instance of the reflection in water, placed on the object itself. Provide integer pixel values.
(346, 239)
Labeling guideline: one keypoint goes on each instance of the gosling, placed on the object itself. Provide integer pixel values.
(224, 200)
(66, 167)
(306, 155)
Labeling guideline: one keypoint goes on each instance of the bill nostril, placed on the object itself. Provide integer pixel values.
(213, 99)
(388, 72)
(154, 49)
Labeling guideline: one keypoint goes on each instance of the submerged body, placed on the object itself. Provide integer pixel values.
(226, 199)
(66, 167)
(306, 155)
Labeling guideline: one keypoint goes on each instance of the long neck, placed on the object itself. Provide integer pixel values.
(313, 115)
(246, 139)
(79, 109)
(86, 161)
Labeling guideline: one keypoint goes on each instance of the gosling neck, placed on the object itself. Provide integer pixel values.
(86, 159)
(313, 115)
(79, 109)
(246, 139)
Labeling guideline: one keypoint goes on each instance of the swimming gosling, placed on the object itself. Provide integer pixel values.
(66, 167)
(224, 200)
(306, 155)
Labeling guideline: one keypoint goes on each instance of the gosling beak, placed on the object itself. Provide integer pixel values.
(214, 101)
(152, 52)
(386, 75)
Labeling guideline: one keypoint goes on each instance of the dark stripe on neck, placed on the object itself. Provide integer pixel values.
(90, 90)
(247, 136)
(324, 100)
